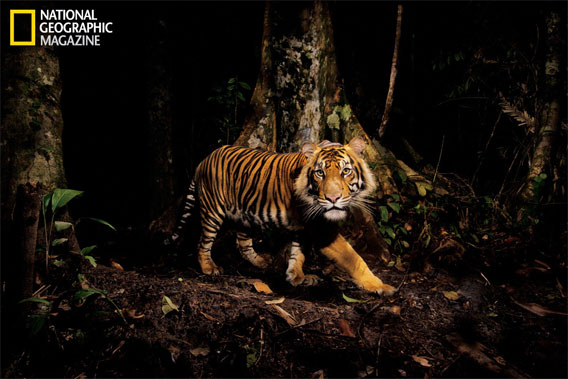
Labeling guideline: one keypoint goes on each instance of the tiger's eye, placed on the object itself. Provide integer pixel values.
(319, 173)
(346, 171)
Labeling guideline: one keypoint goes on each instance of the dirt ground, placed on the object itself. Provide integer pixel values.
(495, 311)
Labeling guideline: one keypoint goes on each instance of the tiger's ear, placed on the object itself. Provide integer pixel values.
(308, 149)
(357, 144)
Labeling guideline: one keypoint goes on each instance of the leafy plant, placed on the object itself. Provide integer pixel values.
(51, 204)
(228, 99)
(36, 322)
(81, 296)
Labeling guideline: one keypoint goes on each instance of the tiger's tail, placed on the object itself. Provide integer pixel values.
(188, 205)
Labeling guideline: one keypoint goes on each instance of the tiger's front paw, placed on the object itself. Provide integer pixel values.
(208, 267)
(262, 261)
(386, 290)
(311, 280)
(373, 284)
(295, 277)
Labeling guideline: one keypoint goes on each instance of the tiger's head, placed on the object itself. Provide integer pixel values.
(334, 179)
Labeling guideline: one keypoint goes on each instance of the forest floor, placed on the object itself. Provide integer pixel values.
(480, 314)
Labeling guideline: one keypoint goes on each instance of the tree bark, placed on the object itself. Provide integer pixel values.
(32, 123)
(32, 126)
(550, 117)
(394, 71)
(27, 215)
(299, 95)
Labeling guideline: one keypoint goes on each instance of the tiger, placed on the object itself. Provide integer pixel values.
(304, 193)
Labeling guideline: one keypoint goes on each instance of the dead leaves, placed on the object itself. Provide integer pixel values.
(538, 310)
(259, 286)
(421, 361)
(345, 328)
(168, 306)
(285, 315)
(275, 301)
(451, 295)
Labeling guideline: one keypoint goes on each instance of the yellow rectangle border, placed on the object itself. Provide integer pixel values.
(22, 43)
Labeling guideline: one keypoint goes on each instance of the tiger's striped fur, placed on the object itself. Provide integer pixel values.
(282, 191)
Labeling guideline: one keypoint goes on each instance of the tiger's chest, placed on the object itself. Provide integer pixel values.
(266, 218)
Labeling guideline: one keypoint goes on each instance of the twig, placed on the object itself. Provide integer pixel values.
(378, 353)
(482, 158)
(297, 326)
(439, 159)
(359, 328)
(261, 345)
(394, 70)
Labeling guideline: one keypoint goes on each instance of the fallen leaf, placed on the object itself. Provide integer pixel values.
(285, 315)
(542, 264)
(421, 361)
(199, 351)
(538, 309)
(352, 300)
(208, 317)
(399, 265)
(345, 328)
(395, 309)
(451, 295)
(131, 313)
(168, 305)
(116, 265)
(262, 287)
(275, 301)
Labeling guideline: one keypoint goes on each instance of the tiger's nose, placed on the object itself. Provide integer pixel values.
(332, 198)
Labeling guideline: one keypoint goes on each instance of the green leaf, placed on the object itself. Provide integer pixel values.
(333, 121)
(390, 232)
(423, 187)
(62, 225)
(100, 222)
(87, 250)
(46, 200)
(59, 263)
(58, 241)
(168, 306)
(244, 85)
(394, 206)
(384, 212)
(35, 323)
(395, 196)
(34, 300)
(241, 97)
(231, 80)
(81, 295)
(351, 300)
(91, 260)
(345, 113)
(61, 197)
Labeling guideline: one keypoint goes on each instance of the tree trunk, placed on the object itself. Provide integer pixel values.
(32, 127)
(550, 117)
(299, 95)
(27, 215)
(159, 124)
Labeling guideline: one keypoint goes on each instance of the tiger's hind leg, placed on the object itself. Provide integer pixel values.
(244, 244)
(210, 225)
(295, 273)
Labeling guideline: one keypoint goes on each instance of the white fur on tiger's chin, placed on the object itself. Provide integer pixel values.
(335, 214)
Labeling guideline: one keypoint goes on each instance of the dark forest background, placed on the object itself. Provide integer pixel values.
(202, 45)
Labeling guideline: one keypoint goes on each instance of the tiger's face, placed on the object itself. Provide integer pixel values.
(335, 178)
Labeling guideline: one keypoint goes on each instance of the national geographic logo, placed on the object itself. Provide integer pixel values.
(22, 27)
(57, 27)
